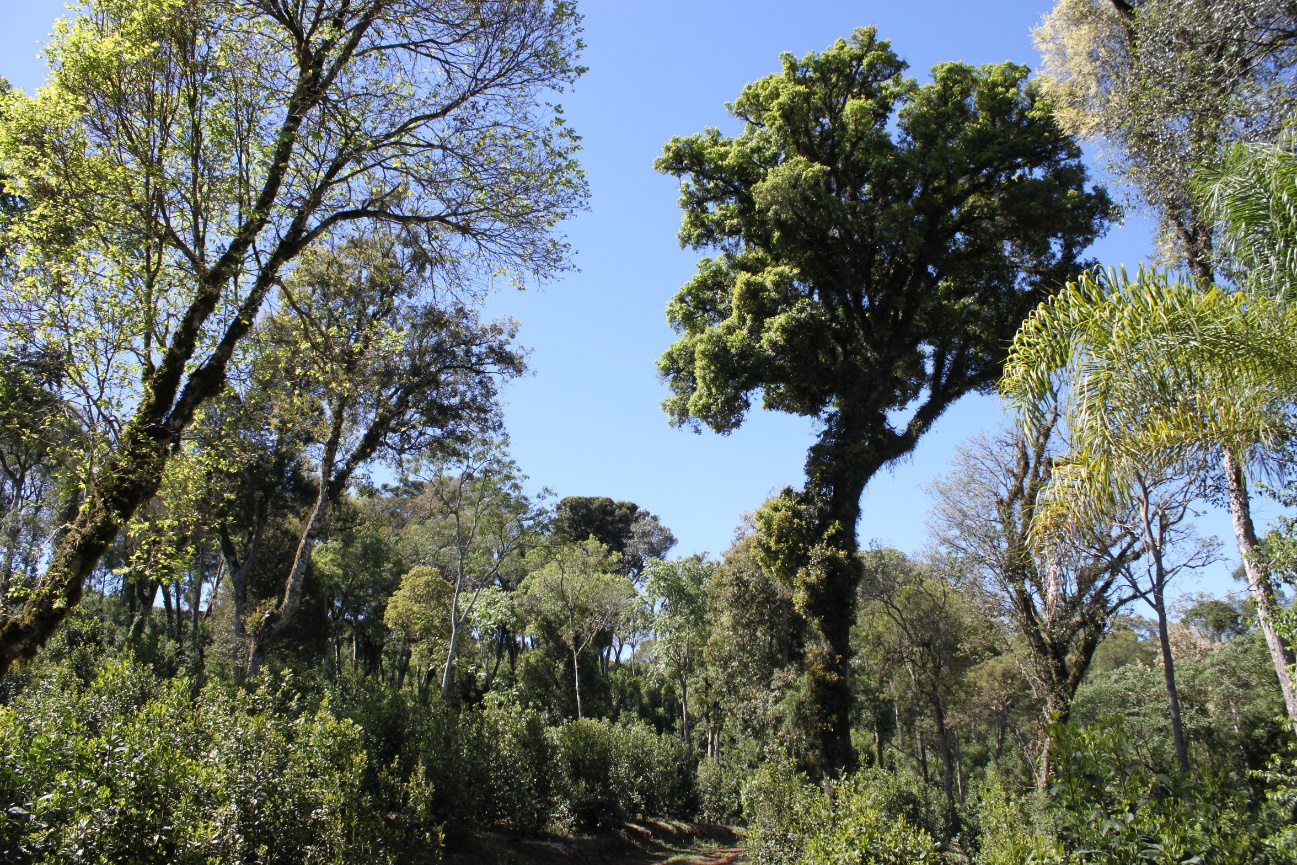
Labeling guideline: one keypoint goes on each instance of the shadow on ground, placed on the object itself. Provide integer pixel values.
(648, 842)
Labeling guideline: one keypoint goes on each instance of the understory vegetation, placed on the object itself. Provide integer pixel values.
(273, 588)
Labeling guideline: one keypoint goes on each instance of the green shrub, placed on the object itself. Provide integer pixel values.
(720, 791)
(132, 768)
(783, 810)
(652, 773)
(606, 773)
(1007, 830)
(518, 769)
(1111, 810)
(583, 751)
(792, 822)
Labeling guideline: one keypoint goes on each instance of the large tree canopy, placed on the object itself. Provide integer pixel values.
(879, 241)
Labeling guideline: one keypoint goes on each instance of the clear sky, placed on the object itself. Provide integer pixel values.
(587, 421)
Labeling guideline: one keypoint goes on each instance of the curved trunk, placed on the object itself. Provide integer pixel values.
(448, 672)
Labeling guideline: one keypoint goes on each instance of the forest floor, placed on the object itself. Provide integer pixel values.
(650, 842)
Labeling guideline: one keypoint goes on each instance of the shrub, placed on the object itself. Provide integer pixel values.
(519, 768)
(783, 810)
(1109, 809)
(653, 773)
(720, 791)
(792, 822)
(134, 768)
(607, 772)
(583, 751)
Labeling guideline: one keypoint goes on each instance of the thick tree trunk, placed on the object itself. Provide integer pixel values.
(1258, 581)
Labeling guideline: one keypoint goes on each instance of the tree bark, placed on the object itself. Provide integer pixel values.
(943, 745)
(1168, 675)
(272, 622)
(684, 708)
(448, 672)
(1258, 581)
(576, 682)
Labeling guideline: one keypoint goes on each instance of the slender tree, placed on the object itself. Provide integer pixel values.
(1160, 508)
(391, 373)
(575, 595)
(1058, 599)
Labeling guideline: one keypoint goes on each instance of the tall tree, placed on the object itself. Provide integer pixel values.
(575, 595)
(473, 522)
(631, 532)
(677, 592)
(879, 240)
(1158, 516)
(914, 619)
(181, 157)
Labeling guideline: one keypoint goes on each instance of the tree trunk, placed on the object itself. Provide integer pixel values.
(576, 682)
(684, 708)
(448, 672)
(1168, 674)
(274, 619)
(145, 595)
(240, 571)
(133, 472)
(1058, 708)
(1258, 580)
(943, 745)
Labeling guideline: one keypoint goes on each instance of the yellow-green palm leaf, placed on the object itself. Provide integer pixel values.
(1150, 373)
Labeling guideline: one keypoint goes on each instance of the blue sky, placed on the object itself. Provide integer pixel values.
(587, 421)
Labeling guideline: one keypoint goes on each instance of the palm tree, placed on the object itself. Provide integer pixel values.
(1251, 197)
(1154, 373)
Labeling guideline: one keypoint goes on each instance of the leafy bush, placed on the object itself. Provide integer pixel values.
(1007, 830)
(653, 772)
(518, 768)
(720, 791)
(134, 768)
(608, 772)
(1111, 810)
(791, 822)
(783, 809)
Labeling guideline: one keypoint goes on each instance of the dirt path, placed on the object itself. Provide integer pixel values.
(649, 842)
(712, 856)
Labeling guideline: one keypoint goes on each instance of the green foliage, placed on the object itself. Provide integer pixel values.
(134, 768)
(1109, 809)
(860, 820)
(608, 772)
(720, 791)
